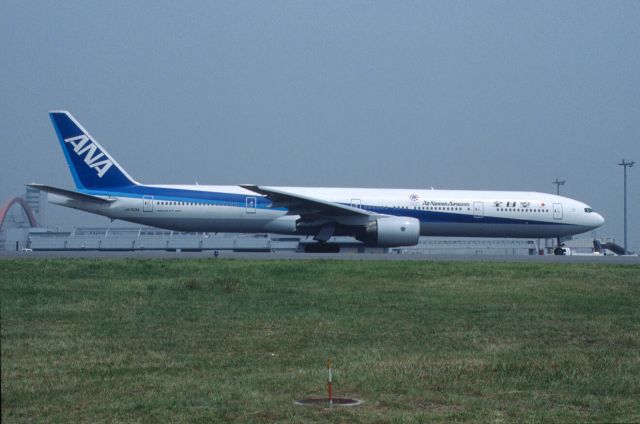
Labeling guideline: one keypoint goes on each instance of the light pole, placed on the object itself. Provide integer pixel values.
(626, 165)
(559, 183)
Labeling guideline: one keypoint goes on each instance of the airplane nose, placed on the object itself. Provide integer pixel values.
(598, 219)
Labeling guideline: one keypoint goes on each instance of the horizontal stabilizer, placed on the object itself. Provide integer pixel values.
(70, 194)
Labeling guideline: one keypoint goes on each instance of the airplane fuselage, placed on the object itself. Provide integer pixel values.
(199, 208)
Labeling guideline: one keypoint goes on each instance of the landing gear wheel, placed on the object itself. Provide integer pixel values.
(558, 251)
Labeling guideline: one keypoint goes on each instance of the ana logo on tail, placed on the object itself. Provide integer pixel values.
(94, 157)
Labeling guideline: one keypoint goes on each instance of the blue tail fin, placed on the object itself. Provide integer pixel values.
(90, 164)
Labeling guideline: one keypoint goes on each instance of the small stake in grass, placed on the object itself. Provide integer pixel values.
(330, 382)
(339, 401)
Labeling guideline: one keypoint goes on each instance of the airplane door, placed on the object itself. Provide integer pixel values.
(356, 203)
(147, 203)
(251, 205)
(478, 209)
(557, 211)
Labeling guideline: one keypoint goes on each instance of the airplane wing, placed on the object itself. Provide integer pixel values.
(307, 206)
(70, 194)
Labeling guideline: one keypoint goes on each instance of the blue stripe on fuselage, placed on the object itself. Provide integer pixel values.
(184, 195)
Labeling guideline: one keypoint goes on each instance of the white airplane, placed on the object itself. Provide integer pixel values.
(376, 217)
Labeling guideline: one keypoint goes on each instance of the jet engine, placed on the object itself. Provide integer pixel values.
(391, 232)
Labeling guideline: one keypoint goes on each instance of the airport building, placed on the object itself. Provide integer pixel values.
(37, 201)
(148, 238)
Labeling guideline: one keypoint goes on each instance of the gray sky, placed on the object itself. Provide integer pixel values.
(459, 95)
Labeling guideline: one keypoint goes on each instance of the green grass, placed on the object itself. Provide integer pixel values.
(223, 340)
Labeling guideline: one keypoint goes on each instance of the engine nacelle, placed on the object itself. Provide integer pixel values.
(391, 232)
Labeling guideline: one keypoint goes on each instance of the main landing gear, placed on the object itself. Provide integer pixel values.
(322, 244)
(322, 248)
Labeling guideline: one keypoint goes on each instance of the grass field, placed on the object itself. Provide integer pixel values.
(239, 341)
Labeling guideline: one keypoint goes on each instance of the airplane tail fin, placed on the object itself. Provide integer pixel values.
(91, 165)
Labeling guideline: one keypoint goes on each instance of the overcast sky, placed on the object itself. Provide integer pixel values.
(459, 95)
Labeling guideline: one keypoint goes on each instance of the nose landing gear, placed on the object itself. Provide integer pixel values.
(559, 251)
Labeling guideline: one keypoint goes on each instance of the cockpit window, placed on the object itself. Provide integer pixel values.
(588, 210)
